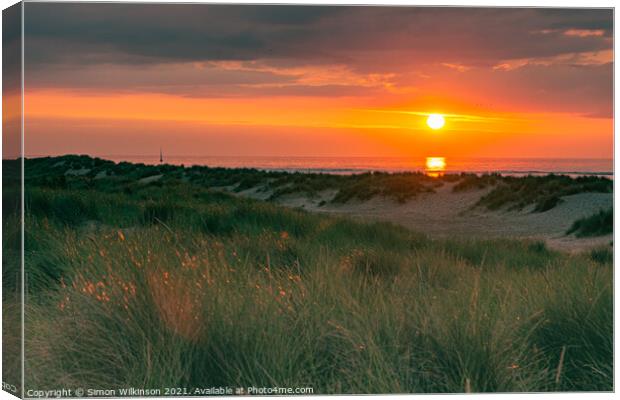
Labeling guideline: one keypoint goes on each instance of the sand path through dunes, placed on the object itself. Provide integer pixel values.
(446, 213)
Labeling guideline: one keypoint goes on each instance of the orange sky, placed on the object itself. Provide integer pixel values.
(390, 130)
(260, 94)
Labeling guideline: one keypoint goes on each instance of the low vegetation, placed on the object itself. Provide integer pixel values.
(171, 284)
(541, 192)
(512, 193)
(601, 223)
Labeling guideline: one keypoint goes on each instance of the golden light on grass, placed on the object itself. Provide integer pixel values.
(435, 121)
(180, 308)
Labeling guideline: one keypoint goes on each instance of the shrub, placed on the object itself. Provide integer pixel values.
(67, 207)
(602, 255)
(601, 223)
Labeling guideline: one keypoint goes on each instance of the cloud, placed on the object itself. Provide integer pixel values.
(570, 88)
(150, 33)
(574, 59)
(458, 67)
(584, 32)
(211, 79)
(154, 33)
(579, 18)
(557, 59)
(11, 49)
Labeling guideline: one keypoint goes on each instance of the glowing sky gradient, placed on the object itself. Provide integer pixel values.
(105, 79)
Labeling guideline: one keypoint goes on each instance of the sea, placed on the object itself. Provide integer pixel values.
(354, 165)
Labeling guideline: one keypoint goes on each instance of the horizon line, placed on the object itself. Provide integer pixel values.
(317, 156)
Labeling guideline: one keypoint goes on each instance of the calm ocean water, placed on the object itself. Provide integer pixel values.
(350, 165)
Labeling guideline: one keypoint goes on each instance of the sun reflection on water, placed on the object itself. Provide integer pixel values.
(435, 166)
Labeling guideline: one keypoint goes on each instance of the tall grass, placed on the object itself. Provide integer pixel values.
(175, 285)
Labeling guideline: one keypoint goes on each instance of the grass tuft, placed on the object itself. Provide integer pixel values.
(599, 224)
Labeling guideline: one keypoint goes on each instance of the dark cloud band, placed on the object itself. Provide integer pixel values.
(139, 33)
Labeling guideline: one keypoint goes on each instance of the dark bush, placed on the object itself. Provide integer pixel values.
(601, 223)
(602, 255)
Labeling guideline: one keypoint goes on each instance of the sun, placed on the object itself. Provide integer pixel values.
(435, 121)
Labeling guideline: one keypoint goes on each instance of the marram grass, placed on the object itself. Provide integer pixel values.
(174, 285)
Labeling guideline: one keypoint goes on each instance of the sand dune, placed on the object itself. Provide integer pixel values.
(446, 213)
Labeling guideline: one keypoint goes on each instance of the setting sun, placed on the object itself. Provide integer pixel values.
(435, 121)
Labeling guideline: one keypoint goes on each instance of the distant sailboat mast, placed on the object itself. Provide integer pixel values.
(161, 156)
